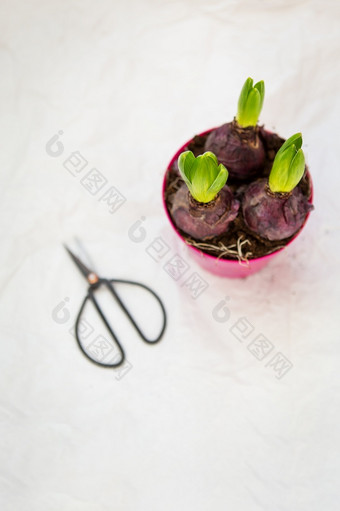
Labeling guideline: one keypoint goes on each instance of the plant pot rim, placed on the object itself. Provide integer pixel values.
(209, 256)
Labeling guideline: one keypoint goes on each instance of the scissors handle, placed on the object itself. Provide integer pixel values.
(109, 284)
(90, 296)
(127, 312)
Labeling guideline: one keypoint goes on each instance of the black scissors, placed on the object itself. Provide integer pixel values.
(95, 283)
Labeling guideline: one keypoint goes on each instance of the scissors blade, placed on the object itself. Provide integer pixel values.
(84, 254)
(90, 275)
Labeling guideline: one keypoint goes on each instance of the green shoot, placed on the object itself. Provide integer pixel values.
(203, 175)
(288, 167)
(250, 103)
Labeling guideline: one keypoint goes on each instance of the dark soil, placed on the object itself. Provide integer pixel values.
(239, 242)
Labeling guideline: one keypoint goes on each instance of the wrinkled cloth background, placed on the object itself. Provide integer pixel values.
(205, 419)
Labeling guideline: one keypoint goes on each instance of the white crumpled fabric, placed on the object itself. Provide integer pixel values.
(204, 420)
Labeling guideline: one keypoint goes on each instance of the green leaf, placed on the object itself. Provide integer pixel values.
(279, 174)
(209, 154)
(202, 175)
(186, 162)
(248, 85)
(260, 87)
(298, 169)
(250, 103)
(295, 140)
(219, 182)
(288, 167)
(205, 174)
(253, 107)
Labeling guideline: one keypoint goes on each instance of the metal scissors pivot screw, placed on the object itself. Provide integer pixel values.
(95, 283)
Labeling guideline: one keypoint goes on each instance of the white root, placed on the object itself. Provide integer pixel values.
(234, 250)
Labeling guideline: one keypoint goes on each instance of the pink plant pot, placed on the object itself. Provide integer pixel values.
(225, 267)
